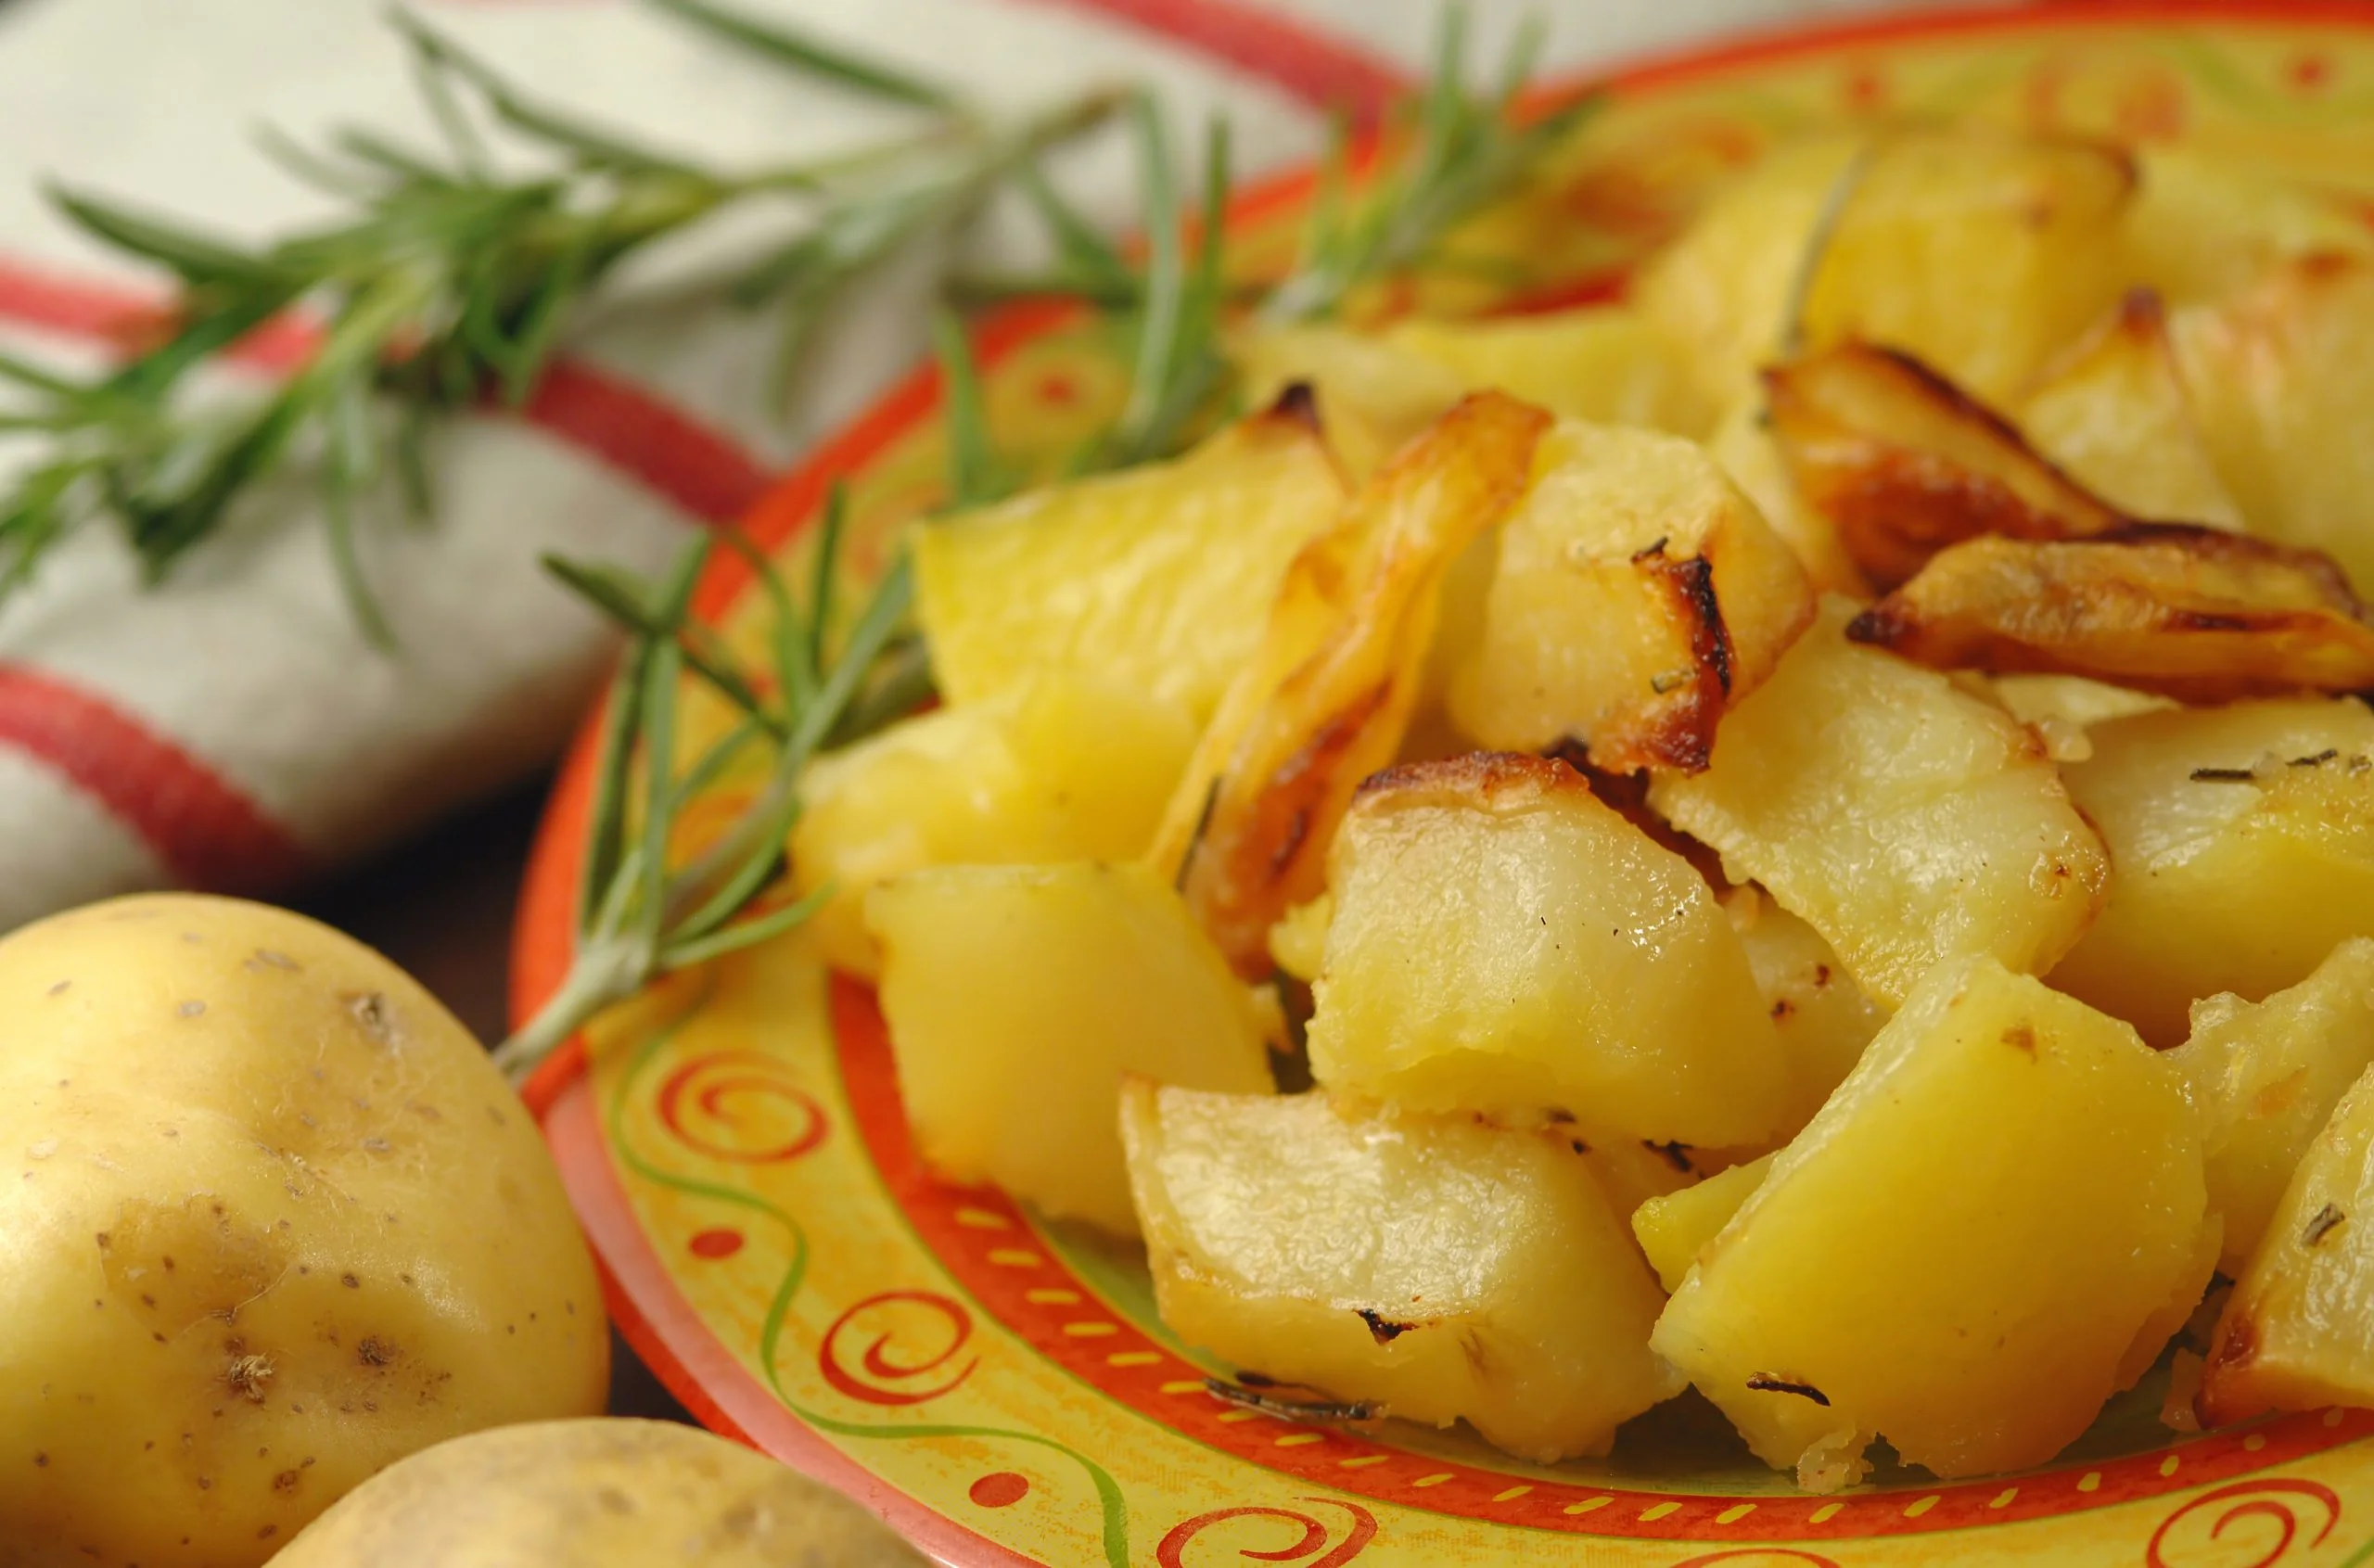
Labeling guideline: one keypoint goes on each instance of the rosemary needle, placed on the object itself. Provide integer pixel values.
(447, 282)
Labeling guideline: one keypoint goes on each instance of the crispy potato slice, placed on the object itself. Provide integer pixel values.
(1639, 595)
(2190, 613)
(1906, 463)
(2283, 376)
(1744, 445)
(1328, 693)
(2115, 414)
(1155, 580)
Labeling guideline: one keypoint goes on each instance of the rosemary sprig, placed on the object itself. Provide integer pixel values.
(451, 280)
(638, 917)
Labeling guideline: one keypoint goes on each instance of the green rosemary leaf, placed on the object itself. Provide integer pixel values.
(36, 376)
(606, 834)
(1087, 256)
(196, 257)
(747, 934)
(622, 597)
(972, 460)
(1163, 287)
(824, 575)
(794, 675)
(344, 182)
(811, 57)
(902, 682)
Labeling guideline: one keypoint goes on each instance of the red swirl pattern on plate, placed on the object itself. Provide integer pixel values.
(1758, 1555)
(1318, 1542)
(708, 1081)
(875, 1361)
(2269, 1498)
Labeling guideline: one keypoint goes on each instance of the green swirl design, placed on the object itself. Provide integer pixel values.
(1108, 1492)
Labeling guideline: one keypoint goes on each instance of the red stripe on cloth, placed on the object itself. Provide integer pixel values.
(1324, 72)
(209, 835)
(697, 469)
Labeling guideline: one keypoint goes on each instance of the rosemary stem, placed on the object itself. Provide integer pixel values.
(602, 974)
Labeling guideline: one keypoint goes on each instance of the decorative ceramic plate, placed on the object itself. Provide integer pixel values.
(999, 1387)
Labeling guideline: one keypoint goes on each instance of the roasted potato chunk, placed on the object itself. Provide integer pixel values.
(1976, 1243)
(1607, 363)
(1059, 768)
(2283, 381)
(1821, 1016)
(1638, 595)
(1373, 395)
(1674, 1229)
(2203, 227)
(2266, 1075)
(1904, 819)
(2115, 414)
(2190, 613)
(1744, 445)
(1982, 252)
(1504, 943)
(1018, 995)
(1429, 1269)
(1329, 692)
(1154, 580)
(1904, 463)
(2295, 1335)
(2244, 840)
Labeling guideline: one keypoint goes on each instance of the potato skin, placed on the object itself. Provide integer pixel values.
(594, 1494)
(272, 1222)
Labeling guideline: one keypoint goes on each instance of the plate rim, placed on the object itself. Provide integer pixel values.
(642, 1295)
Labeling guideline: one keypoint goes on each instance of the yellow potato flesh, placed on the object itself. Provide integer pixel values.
(1820, 1015)
(2201, 226)
(1504, 943)
(1018, 995)
(1960, 1252)
(1058, 768)
(2296, 1333)
(2236, 871)
(2267, 1075)
(2281, 377)
(1156, 579)
(1743, 445)
(1638, 595)
(272, 1223)
(1905, 820)
(1673, 1228)
(1373, 394)
(1608, 364)
(1439, 1269)
(595, 1494)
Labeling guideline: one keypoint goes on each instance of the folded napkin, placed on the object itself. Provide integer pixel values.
(231, 728)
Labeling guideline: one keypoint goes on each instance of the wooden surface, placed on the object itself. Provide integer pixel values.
(441, 907)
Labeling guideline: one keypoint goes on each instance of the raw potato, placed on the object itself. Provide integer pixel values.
(1504, 943)
(2115, 416)
(1018, 995)
(1341, 668)
(1057, 767)
(1820, 1015)
(1673, 1229)
(595, 1494)
(2283, 377)
(2295, 1335)
(1904, 819)
(1433, 1268)
(2266, 1075)
(1637, 598)
(1155, 580)
(272, 1223)
(2236, 871)
(1993, 1225)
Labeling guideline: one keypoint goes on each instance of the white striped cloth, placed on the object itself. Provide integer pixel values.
(231, 728)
